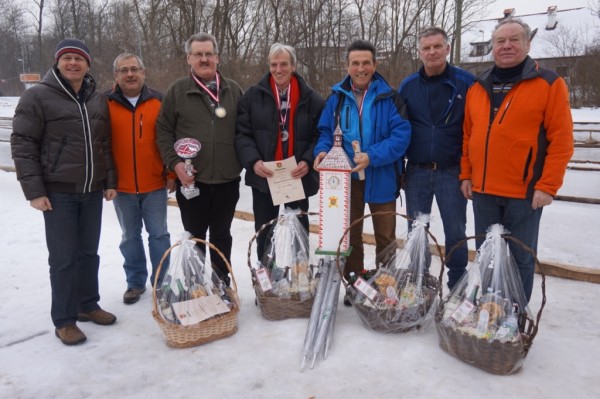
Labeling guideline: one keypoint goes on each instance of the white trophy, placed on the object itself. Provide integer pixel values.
(187, 149)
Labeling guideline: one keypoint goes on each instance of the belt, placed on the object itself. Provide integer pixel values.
(428, 165)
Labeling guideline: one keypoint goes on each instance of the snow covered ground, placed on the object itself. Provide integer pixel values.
(130, 359)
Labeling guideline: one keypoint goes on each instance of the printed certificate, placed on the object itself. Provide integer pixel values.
(284, 188)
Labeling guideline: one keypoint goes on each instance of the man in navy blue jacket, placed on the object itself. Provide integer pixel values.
(372, 113)
(435, 102)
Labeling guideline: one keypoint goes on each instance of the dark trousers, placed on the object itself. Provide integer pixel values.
(212, 211)
(72, 237)
(265, 211)
(523, 223)
(384, 228)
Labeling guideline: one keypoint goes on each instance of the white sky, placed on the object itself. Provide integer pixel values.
(532, 6)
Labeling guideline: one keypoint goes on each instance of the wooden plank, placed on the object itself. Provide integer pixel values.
(550, 269)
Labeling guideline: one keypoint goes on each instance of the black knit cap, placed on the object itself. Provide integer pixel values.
(73, 46)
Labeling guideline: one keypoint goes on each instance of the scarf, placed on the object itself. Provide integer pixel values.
(293, 98)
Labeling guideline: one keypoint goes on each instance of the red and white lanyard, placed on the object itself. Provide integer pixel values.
(283, 118)
(207, 90)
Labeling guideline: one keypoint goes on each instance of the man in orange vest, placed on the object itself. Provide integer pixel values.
(141, 175)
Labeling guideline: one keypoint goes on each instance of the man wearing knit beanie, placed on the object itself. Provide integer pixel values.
(61, 144)
(73, 46)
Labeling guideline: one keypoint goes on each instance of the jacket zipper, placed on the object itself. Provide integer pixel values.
(134, 157)
(505, 110)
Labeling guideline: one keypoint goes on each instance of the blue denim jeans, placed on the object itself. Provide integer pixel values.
(72, 237)
(421, 186)
(151, 210)
(520, 219)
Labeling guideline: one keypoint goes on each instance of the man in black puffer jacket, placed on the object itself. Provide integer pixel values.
(277, 119)
(62, 152)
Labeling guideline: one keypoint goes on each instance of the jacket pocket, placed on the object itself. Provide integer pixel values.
(54, 164)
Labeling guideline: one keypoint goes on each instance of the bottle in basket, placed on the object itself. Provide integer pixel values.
(187, 149)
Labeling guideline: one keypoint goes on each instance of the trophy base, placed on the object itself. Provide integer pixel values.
(190, 193)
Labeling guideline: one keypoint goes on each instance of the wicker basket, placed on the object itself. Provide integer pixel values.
(220, 326)
(410, 319)
(272, 306)
(494, 356)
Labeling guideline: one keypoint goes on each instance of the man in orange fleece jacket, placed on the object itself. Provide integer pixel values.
(518, 139)
(142, 178)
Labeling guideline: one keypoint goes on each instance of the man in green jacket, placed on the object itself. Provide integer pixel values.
(203, 106)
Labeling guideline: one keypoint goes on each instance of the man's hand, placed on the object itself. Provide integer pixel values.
(361, 160)
(261, 170)
(300, 170)
(110, 194)
(183, 176)
(467, 189)
(41, 204)
(540, 199)
(318, 160)
(171, 185)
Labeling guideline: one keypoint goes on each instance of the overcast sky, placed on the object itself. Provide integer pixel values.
(532, 6)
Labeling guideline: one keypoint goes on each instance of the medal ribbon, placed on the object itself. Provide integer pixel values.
(360, 108)
(283, 118)
(206, 89)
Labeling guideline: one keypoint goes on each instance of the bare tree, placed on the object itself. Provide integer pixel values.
(38, 16)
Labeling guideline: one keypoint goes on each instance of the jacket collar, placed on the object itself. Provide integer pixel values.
(146, 94)
(530, 70)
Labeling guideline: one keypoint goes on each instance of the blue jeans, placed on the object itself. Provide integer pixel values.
(523, 223)
(151, 209)
(72, 237)
(421, 186)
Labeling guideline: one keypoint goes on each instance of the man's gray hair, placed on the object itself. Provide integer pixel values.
(125, 56)
(433, 30)
(278, 48)
(517, 21)
(201, 37)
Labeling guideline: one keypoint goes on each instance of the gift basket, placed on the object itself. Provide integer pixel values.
(399, 295)
(284, 280)
(485, 319)
(192, 305)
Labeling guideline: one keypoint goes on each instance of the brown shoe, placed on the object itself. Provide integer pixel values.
(132, 295)
(70, 335)
(98, 316)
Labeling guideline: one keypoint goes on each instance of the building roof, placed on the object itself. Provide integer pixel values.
(336, 158)
(556, 33)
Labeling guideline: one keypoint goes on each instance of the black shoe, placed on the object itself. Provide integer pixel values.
(132, 295)
(347, 301)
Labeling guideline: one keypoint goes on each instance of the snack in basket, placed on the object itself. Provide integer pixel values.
(286, 261)
(483, 319)
(401, 295)
(191, 292)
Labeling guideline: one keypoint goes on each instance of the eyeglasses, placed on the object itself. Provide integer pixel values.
(133, 70)
(202, 55)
